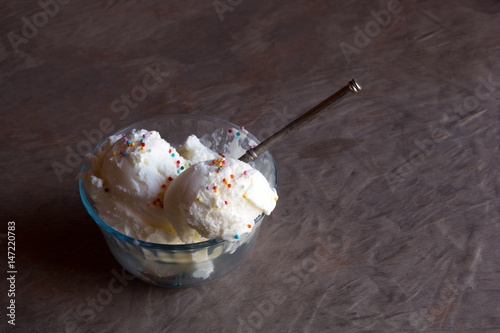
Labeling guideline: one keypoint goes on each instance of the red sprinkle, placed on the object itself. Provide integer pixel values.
(225, 202)
(164, 185)
(230, 131)
(170, 179)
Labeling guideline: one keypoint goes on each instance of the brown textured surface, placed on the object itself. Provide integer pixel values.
(361, 239)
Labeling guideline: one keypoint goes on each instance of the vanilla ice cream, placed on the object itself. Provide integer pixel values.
(128, 178)
(219, 198)
(149, 190)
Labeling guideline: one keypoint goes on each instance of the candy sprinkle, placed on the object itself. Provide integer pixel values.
(133, 143)
(199, 199)
(230, 131)
(170, 179)
(142, 148)
(173, 155)
(238, 134)
(244, 195)
(237, 236)
(129, 142)
(249, 226)
(229, 185)
(114, 154)
(144, 136)
(245, 173)
(124, 154)
(242, 128)
(225, 202)
(232, 176)
(163, 185)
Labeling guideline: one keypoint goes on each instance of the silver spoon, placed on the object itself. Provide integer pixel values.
(253, 153)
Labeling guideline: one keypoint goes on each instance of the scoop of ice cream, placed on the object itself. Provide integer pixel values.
(218, 198)
(194, 151)
(128, 178)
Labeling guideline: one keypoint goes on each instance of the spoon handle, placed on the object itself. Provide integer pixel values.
(253, 153)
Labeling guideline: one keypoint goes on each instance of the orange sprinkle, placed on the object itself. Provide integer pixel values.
(249, 226)
(229, 185)
(218, 171)
(232, 176)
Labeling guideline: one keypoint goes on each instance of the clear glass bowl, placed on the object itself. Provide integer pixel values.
(183, 265)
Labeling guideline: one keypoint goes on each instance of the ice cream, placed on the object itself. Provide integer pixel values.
(219, 198)
(149, 190)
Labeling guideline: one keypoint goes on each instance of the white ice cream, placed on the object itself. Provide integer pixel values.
(146, 189)
(128, 178)
(218, 198)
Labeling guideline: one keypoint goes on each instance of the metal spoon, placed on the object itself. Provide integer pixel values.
(253, 153)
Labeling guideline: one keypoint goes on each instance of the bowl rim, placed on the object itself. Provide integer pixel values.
(110, 230)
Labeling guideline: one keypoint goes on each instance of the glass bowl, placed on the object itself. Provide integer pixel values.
(184, 265)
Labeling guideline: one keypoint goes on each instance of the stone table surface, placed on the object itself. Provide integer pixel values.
(399, 184)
